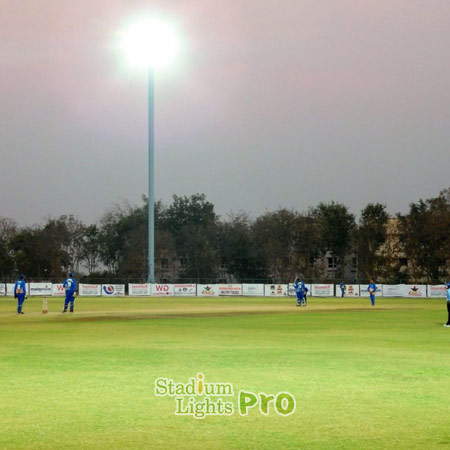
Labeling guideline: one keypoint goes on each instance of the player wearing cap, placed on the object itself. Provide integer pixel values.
(70, 285)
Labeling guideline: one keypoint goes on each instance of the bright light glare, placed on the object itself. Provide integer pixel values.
(149, 43)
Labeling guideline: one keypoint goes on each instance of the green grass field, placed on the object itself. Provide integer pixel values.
(362, 377)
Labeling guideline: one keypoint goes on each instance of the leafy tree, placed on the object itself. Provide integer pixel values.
(66, 234)
(123, 240)
(23, 246)
(38, 254)
(193, 225)
(8, 229)
(370, 236)
(90, 248)
(198, 253)
(274, 234)
(240, 253)
(109, 241)
(166, 261)
(186, 212)
(308, 245)
(426, 238)
(336, 225)
(290, 242)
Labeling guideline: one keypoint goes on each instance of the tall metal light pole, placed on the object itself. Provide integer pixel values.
(150, 44)
(151, 176)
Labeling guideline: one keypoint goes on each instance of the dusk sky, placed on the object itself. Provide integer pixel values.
(270, 103)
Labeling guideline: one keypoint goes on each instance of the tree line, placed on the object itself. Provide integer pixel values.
(192, 243)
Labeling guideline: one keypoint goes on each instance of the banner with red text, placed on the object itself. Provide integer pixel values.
(139, 290)
(230, 289)
(89, 290)
(162, 290)
(322, 290)
(437, 291)
(40, 289)
(58, 290)
(113, 290)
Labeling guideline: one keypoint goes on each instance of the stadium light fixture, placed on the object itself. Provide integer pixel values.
(150, 44)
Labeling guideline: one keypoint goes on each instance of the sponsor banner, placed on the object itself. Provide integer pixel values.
(91, 290)
(437, 291)
(351, 291)
(10, 289)
(389, 290)
(291, 290)
(363, 292)
(185, 290)
(253, 289)
(415, 290)
(58, 290)
(162, 290)
(2, 289)
(207, 290)
(230, 289)
(39, 289)
(322, 290)
(113, 290)
(136, 290)
(276, 290)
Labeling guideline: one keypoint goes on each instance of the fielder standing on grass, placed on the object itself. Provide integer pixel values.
(20, 291)
(448, 305)
(70, 285)
(343, 288)
(372, 288)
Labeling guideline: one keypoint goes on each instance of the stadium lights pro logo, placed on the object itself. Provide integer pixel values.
(199, 398)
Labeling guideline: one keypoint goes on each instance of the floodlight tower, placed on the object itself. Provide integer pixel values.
(150, 44)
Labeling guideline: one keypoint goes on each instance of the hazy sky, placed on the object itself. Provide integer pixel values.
(271, 103)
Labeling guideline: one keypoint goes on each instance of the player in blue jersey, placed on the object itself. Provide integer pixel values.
(20, 291)
(448, 304)
(343, 288)
(70, 285)
(372, 288)
(301, 290)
